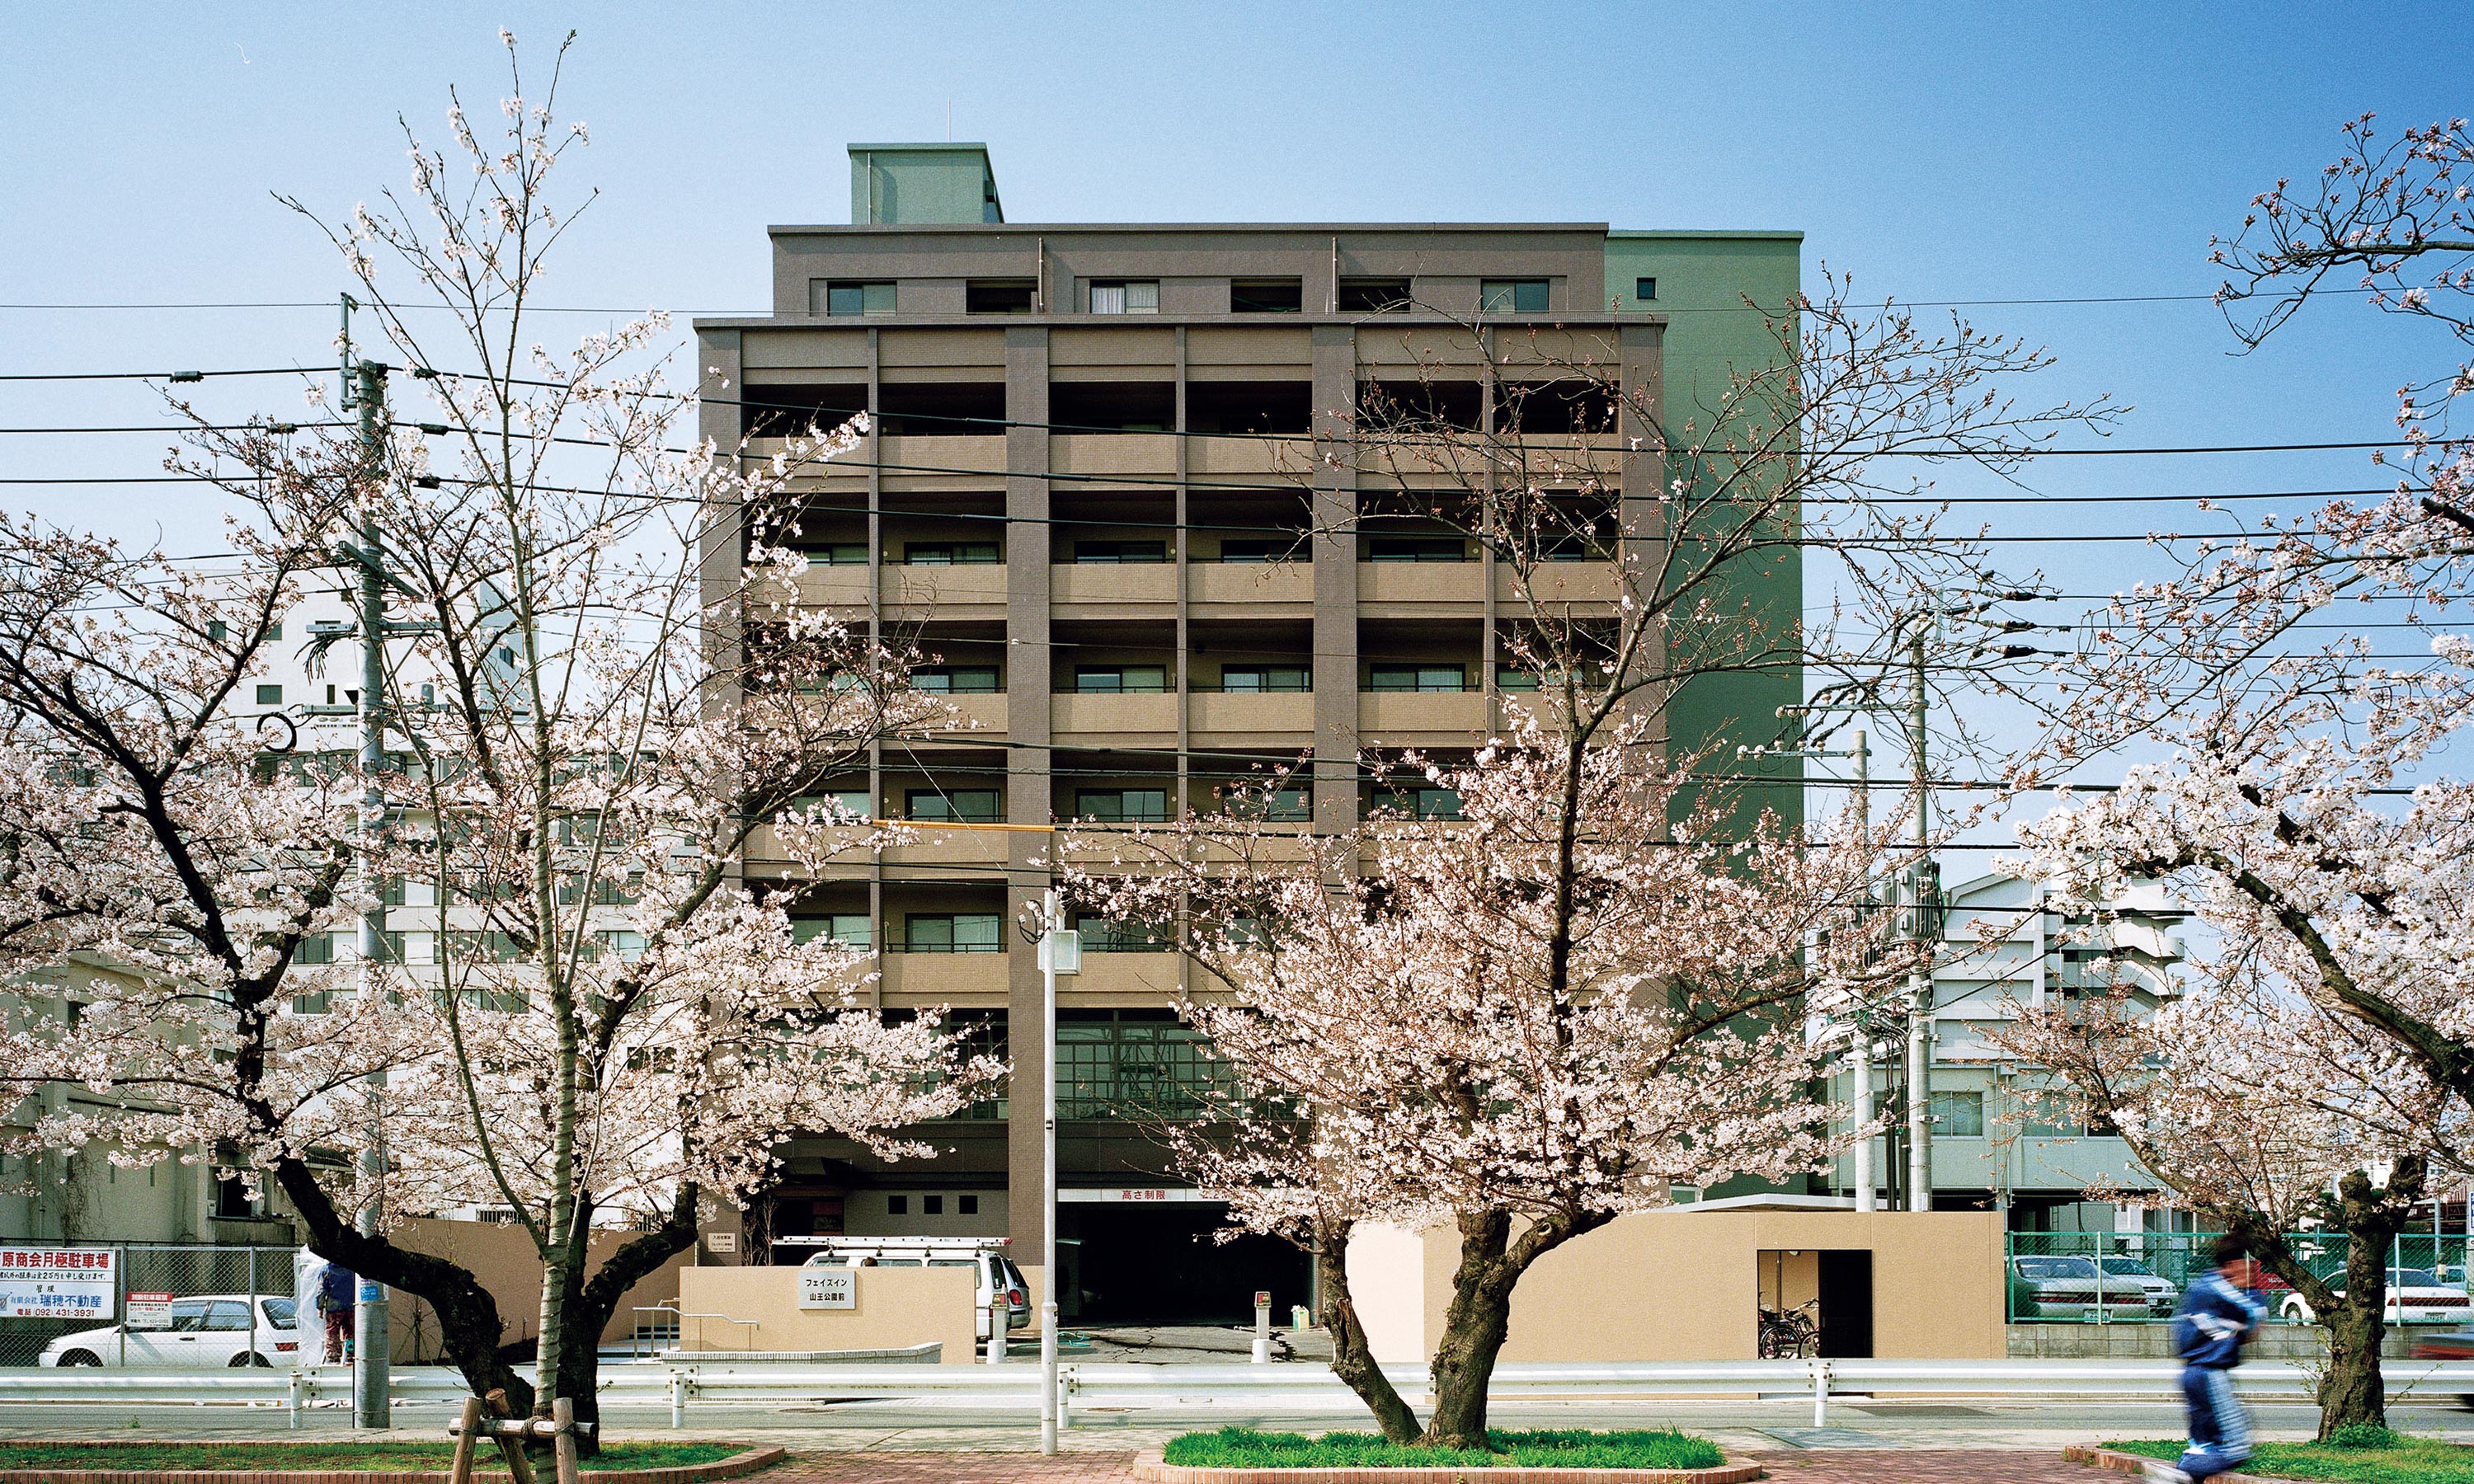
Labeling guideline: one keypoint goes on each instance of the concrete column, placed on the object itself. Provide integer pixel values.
(1335, 585)
(1028, 799)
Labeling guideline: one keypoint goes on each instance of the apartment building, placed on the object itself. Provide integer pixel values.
(1109, 494)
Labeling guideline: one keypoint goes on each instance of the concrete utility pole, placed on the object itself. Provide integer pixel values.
(365, 390)
(1861, 1051)
(1920, 996)
(1061, 952)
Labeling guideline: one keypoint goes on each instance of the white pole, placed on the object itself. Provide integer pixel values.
(1862, 1054)
(1048, 1178)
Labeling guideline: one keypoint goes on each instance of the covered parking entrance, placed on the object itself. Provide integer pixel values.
(1147, 1256)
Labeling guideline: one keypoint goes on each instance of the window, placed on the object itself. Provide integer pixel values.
(1427, 801)
(1146, 553)
(1113, 1064)
(1958, 1115)
(1644, 288)
(232, 1203)
(852, 929)
(952, 932)
(1264, 676)
(998, 295)
(853, 803)
(1512, 296)
(1125, 296)
(270, 695)
(1121, 806)
(1102, 936)
(226, 1314)
(1281, 805)
(1373, 295)
(951, 554)
(274, 631)
(315, 948)
(941, 409)
(1266, 296)
(1415, 548)
(839, 554)
(932, 1206)
(1112, 406)
(1418, 676)
(1514, 677)
(897, 1206)
(956, 679)
(2052, 1116)
(957, 805)
(1251, 552)
(1280, 408)
(1115, 679)
(217, 630)
(966, 1205)
(626, 943)
(844, 297)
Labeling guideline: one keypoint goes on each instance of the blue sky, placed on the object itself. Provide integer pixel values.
(1938, 152)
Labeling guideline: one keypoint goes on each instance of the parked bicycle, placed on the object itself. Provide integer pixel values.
(1790, 1334)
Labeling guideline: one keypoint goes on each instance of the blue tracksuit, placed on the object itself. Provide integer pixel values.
(2208, 1333)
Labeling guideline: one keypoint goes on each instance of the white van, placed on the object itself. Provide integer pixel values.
(998, 1277)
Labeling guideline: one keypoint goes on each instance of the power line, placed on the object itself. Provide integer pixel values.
(171, 376)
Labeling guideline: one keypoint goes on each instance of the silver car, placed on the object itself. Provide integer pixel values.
(2071, 1288)
(2163, 1298)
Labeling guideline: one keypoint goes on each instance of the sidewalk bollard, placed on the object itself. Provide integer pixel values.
(1262, 1328)
(1064, 1395)
(997, 1315)
(1821, 1394)
(678, 1398)
(295, 1387)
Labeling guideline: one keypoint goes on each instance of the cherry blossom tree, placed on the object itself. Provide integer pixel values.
(1518, 1024)
(599, 686)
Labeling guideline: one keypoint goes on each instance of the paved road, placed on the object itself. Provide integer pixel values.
(1803, 1468)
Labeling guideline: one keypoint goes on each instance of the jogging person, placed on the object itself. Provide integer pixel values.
(2217, 1314)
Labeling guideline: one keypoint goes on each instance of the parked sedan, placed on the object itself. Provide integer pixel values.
(211, 1330)
(2163, 1298)
(2416, 1296)
(2070, 1289)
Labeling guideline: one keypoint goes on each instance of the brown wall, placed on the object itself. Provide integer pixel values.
(501, 1257)
(1688, 1286)
(898, 1308)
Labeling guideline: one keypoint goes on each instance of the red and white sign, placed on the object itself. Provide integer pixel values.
(55, 1282)
(148, 1311)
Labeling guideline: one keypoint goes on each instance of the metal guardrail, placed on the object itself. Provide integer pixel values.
(1289, 1385)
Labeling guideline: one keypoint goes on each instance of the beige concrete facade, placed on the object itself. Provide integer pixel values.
(1688, 1285)
(501, 1257)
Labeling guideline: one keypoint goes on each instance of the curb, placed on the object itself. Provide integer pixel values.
(2131, 1462)
(731, 1467)
(1153, 1466)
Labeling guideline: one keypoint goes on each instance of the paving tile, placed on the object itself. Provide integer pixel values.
(1924, 1466)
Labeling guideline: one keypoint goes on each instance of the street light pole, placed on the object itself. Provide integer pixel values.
(1861, 1050)
(1920, 985)
(1061, 952)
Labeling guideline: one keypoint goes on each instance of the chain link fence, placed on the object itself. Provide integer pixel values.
(137, 1303)
(2138, 1276)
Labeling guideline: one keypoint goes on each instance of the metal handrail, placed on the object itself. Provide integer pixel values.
(1304, 1386)
(683, 1317)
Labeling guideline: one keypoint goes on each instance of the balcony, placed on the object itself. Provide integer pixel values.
(851, 855)
(1152, 714)
(975, 713)
(1412, 589)
(1242, 589)
(942, 844)
(834, 586)
(1103, 454)
(929, 462)
(1233, 718)
(1150, 977)
(1419, 716)
(927, 586)
(943, 978)
(1113, 586)
(1207, 455)
(1594, 582)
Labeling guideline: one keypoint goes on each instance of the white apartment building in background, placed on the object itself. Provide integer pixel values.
(1998, 1140)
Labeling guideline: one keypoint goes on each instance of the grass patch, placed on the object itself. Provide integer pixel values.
(2403, 1461)
(1243, 1448)
(376, 1457)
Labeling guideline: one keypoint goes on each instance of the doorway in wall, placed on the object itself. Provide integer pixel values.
(1815, 1302)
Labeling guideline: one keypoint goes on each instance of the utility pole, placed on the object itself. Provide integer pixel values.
(1061, 952)
(365, 390)
(1920, 988)
(1861, 1051)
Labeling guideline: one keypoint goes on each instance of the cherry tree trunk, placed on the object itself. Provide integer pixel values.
(1352, 1355)
(592, 1303)
(2352, 1390)
(1474, 1326)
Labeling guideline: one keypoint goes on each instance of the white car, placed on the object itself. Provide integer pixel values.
(211, 1330)
(2416, 1296)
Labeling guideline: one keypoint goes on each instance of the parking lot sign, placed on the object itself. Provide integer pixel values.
(57, 1282)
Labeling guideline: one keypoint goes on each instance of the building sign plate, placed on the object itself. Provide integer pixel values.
(57, 1282)
(828, 1288)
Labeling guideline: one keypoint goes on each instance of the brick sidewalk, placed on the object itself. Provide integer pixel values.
(1884, 1466)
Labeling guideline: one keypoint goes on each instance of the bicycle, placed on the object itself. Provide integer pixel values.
(1790, 1334)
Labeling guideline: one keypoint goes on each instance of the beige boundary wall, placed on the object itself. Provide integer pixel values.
(501, 1257)
(1688, 1285)
(896, 1307)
